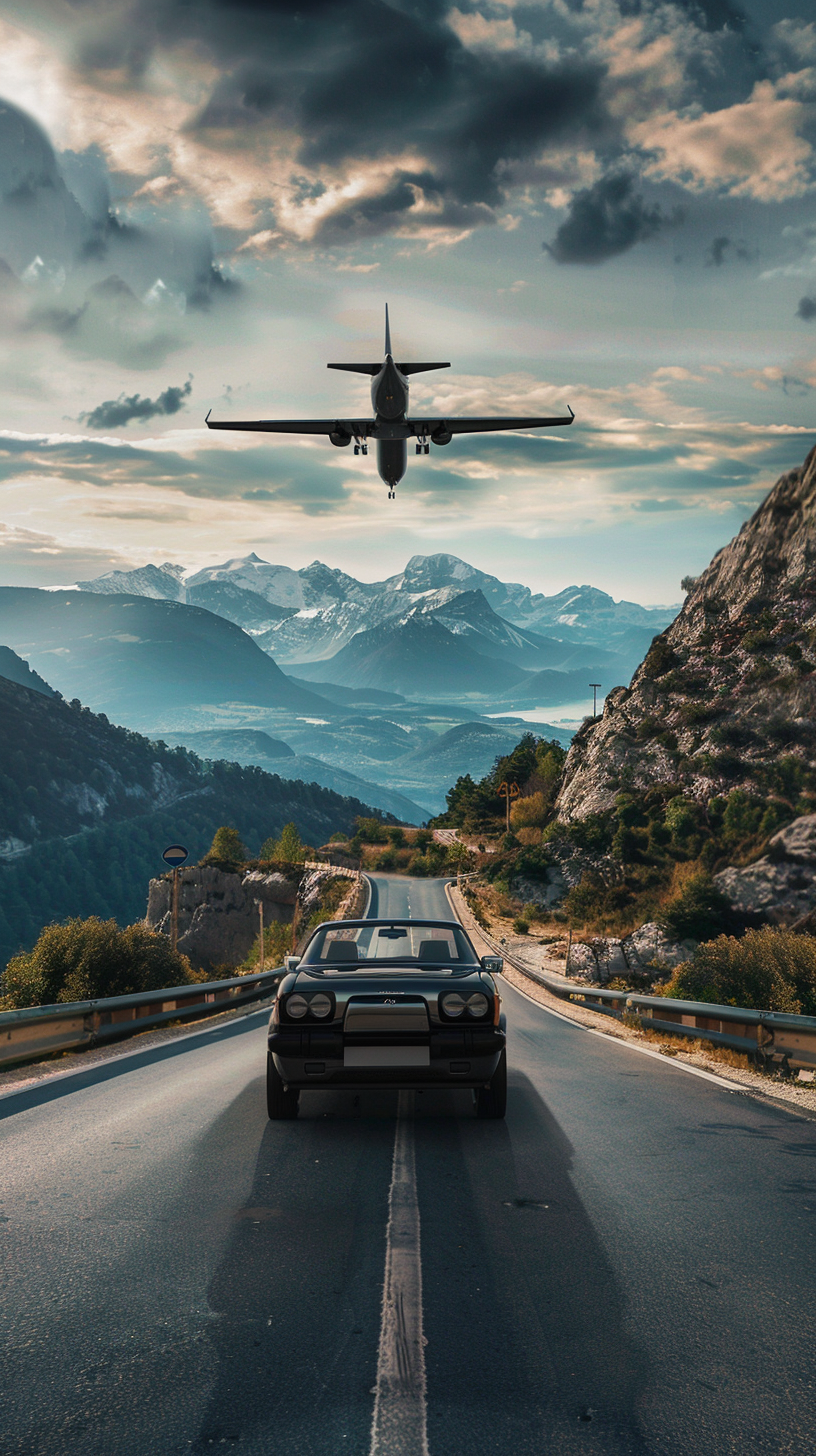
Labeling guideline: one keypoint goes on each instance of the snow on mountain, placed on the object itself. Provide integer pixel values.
(325, 608)
(163, 583)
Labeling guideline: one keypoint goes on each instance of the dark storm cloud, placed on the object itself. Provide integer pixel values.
(113, 413)
(806, 309)
(606, 219)
(364, 79)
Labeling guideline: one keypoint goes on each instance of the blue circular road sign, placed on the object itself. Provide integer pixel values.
(175, 855)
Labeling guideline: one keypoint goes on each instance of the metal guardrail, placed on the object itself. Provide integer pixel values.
(40, 1030)
(775, 1037)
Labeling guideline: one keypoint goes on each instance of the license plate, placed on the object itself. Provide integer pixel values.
(387, 1056)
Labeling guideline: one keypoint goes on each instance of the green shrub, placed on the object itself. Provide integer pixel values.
(521, 926)
(697, 911)
(227, 850)
(288, 849)
(371, 831)
(767, 970)
(88, 959)
(396, 836)
(386, 861)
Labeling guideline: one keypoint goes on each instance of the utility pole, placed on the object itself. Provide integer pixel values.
(259, 904)
(594, 687)
(175, 856)
(174, 933)
(508, 792)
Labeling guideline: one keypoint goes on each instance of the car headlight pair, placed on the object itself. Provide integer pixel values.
(297, 1006)
(455, 1005)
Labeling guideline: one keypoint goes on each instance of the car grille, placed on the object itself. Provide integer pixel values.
(365, 1015)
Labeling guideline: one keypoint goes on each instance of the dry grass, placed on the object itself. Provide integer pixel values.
(697, 1046)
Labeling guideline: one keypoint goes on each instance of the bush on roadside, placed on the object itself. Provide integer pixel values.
(766, 970)
(698, 911)
(86, 959)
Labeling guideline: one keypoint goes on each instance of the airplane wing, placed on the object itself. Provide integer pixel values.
(476, 425)
(294, 427)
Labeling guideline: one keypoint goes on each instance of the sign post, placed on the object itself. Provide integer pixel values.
(259, 904)
(508, 792)
(175, 856)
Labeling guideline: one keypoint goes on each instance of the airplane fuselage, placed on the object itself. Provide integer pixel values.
(389, 400)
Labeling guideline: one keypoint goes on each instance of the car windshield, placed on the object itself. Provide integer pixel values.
(426, 945)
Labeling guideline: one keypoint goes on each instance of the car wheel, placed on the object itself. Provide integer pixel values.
(491, 1101)
(279, 1102)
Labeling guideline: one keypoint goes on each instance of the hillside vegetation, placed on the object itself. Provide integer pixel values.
(86, 809)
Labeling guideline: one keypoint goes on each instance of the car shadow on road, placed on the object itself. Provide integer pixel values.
(518, 1283)
(528, 1345)
(295, 1301)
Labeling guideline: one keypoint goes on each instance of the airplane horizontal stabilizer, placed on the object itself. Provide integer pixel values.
(420, 368)
(357, 368)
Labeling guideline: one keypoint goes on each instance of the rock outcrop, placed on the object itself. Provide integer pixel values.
(218, 919)
(729, 688)
(643, 954)
(781, 886)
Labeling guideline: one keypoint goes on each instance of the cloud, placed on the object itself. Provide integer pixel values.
(806, 309)
(720, 248)
(605, 220)
(113, 413)
(755, 148)
(35, 558)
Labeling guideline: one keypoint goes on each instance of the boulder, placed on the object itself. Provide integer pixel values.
(647, 950)
(779, 891)
(797, 841)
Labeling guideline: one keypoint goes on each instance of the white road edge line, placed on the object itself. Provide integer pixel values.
(399, 1426)
(633, 1047)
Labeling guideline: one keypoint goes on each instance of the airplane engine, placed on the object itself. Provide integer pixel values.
(339, 436)
(441, 436)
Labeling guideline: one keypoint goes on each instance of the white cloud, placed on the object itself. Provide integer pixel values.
(754, 149)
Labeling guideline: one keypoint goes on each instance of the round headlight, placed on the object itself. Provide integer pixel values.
(453, 1005)
(477, 1004)
(320, 1005)
(296, 1006)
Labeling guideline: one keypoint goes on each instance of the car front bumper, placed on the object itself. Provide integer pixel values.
(448, 1057)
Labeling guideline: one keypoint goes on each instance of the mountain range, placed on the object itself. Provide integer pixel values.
(143, 660)
(312, 613)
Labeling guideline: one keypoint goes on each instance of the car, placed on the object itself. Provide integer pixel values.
(388, 1004)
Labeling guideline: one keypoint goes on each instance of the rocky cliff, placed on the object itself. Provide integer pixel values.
(726, 696)
(218, 918)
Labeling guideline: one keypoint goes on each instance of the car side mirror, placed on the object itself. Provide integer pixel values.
(291, 962)
(494, 965)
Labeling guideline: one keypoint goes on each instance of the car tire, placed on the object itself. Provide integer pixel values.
(279, 1102)
(491, 1101)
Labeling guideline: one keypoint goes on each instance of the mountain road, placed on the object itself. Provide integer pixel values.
(616, 1268)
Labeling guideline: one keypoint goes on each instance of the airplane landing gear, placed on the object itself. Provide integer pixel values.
(360, 445)
(422, 445)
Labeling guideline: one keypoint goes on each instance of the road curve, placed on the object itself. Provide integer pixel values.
(625, 1266)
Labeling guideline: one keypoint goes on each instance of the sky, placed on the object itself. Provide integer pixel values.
(602, 204)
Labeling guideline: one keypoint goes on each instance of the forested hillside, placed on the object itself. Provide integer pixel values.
(86, 809)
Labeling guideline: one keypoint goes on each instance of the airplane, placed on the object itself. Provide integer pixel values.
(391, 427)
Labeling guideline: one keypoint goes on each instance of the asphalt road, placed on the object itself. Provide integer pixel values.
(616, 1268)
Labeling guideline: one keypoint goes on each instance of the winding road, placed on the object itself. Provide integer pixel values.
(626, 1265)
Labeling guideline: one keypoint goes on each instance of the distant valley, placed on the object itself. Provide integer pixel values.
(380, 690)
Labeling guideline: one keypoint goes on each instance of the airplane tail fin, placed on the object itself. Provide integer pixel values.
(387, 332)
